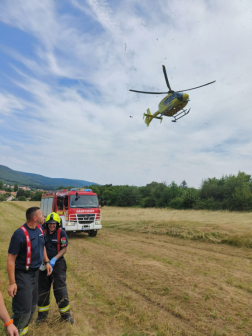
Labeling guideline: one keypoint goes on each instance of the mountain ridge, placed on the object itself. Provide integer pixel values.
(11, 176)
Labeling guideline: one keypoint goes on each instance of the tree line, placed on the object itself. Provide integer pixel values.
(232, 192)
(227, 193)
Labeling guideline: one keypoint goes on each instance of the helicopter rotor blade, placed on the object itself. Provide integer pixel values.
(197, 87)
(148, 92)
(166, 78)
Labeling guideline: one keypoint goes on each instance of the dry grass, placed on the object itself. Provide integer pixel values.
(222, 227)
(130, 282)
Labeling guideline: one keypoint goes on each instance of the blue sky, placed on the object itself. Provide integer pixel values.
(66, 68)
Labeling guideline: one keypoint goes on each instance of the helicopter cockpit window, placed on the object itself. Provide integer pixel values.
(168, 99)
(179, 96)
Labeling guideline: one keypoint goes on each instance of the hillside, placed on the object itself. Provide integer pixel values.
(38, 181)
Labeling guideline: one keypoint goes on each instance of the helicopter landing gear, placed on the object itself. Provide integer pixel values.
(180, 115)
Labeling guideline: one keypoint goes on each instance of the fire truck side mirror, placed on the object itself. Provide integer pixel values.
(102, 202)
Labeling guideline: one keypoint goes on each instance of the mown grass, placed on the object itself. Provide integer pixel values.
(220, 227)
(131, 280)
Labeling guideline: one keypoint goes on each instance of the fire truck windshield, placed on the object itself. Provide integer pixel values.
(83, 201)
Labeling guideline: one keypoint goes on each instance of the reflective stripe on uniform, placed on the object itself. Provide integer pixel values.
(42, 309)
(65, 309)
(24, 331)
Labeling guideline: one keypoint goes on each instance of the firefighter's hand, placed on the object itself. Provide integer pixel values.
(48, 268)
(53, 261)
(12, 289)
(12, 330)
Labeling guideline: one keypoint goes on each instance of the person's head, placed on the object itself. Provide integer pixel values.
(52, 222)
(34, 214)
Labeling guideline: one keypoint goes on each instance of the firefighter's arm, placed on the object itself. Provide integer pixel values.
(12, 288)
(47, 263)
(61, 253)
(5, 317)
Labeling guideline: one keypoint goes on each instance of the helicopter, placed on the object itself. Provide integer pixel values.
(173, 105)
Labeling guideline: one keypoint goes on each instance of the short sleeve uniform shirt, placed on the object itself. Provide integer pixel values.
(51, 243)
(18, 247)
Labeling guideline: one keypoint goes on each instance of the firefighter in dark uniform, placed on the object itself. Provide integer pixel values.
(25, 255)
(56, 246)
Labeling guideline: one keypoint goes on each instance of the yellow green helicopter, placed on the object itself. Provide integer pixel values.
(172, 105)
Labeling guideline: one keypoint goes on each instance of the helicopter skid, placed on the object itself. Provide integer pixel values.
(180, 115)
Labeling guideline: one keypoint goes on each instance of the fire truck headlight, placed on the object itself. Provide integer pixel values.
(70, 224)
(97, 222)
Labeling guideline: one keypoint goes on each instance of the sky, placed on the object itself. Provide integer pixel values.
(66, 67)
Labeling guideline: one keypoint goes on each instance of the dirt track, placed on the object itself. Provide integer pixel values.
(126, 283)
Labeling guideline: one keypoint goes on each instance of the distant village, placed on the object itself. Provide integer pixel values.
(19, 193)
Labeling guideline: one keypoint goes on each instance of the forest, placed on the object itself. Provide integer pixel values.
(230, 192)
(227, 193)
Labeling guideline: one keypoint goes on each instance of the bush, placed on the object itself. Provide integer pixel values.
(148, 202)
(128, 196)
(208, 204)
(37, 196)
(190, 197)
(177, 203)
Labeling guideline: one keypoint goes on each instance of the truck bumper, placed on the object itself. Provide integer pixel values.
(82, 227)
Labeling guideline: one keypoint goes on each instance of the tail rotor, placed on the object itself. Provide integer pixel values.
(148, 117)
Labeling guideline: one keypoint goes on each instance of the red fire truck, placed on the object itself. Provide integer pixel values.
(79, 209)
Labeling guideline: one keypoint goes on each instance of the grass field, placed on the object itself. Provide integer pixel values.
(151, 272)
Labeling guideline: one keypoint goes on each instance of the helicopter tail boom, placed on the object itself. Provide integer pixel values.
(148, 116)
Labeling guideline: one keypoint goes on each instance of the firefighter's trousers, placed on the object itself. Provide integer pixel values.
(24, 302)
(58, 279)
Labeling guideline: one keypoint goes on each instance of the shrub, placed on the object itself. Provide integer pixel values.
(177, 203)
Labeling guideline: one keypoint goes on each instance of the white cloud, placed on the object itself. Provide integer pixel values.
(9, 104)
(78, 116)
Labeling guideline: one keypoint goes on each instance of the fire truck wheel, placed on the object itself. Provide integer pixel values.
(92, 233)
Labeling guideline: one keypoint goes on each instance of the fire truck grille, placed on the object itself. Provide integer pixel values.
(86, 218)
(82, 218)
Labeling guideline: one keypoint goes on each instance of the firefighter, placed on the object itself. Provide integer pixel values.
(56, 247)
(25, 255)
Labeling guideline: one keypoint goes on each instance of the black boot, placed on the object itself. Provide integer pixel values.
(41, 317)
(67, 318)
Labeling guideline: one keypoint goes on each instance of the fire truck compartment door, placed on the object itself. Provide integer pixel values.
(46, 205)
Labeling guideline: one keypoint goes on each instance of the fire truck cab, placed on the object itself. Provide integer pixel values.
(78, 209)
